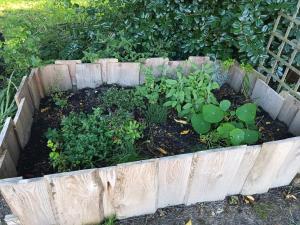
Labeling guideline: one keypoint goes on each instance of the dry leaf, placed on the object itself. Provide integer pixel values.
(181, 121)
(184, 132)
(189, 222)
(291, 197)
(250, 198)
(162, 151)
(45, 109)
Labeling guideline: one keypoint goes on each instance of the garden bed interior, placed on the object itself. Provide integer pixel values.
(161, 179)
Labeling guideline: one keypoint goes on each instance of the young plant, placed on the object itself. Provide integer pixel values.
(156, 114)
(247, 68)
(59, 100)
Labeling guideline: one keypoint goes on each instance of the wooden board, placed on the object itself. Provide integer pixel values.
(108, 178)
(23, 121)
(72, 68)
(135, 190)
(23, 92)
(7, 166)
(294, 127)
(104, 69)
(33, 87)
(157, 66)
(198, 60)
(212, 173)
(244, 169)
(236, 77)
(173, 176)
(77, 197)
(9, 141)
(266, 166)
(177, 66)
(30, 201)
(289, 108)
(55, 78)
(290, 166)
(11, 220)
(124, 74)
(88, 75)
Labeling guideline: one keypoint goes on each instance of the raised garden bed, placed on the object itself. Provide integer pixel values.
(141, 187)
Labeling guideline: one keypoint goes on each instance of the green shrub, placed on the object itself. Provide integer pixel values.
(87, 141)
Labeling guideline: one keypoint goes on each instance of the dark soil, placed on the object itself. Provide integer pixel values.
(160, 140)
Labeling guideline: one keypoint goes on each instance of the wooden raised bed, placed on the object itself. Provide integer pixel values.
(132, 189)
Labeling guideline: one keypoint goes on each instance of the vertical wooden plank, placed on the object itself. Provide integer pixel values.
(34, 88)
(108, 178)
(246, 165)
(173, 176)
(267, 98)
(39, 82)
(136, 189)
(23, 92)
(212, 173)
(290, 166)
(77, 197)
(289, 108)
(156, 65)
(173, 67)
(124, 74)
(88, 75)
(55, 78)
(104, 69)
(7, 166)
(30, 201)
(236, 76)
(72, 69)
(266, 166)
(9, 141)
(294, 127)
(23, 121)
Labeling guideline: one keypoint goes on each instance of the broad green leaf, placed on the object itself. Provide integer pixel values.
(199, 124)
(251, 136)
(237, 136)
(225, 129)
(171, 82)
(246, 112)
(212, 113)
(225, 105)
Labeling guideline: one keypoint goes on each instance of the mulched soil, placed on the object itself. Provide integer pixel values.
(159, 141)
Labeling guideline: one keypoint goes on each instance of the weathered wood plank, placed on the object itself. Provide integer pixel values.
(72, 69)
(12, 220)
(267, 98)
(246, 165)
(198, 60)
(124, 74)
(266, 166)
(77, 197)
(7, 166)
(23, 92)
(9, 141)
(236, 77)
(135, 190)
(173, 176)
(39, 82)
(55, 78)
(104, 69)
(88, 75)
(212, 173)
(290, 166)
(108, 178)
(30, 201)
(157, 66)
(34, 88)
(173, 67)
(23, 121)
(294, 127)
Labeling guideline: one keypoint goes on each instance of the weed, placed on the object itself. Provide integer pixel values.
(59, 100)
(156, 114)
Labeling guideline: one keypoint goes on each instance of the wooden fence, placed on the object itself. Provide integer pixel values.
(132, 189)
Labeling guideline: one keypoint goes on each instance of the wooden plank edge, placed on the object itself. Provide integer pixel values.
(11, 220)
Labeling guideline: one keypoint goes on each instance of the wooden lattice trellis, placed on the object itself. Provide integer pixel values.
(268, 70)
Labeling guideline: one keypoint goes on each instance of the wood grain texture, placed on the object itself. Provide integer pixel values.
(30, 201)
(104, 69)
(88, 75)
(34, 89)
(108, 178)
(266, 167)
(72, 68)
(9, 141)
(157, 66)
(289, 108)
(77, 197)
(39, 82)
(23, 92)
(236, 76)
(212, 173)
(290, 167)
(124, 74)
(55, 78)
(244, 169)
(23, 121)
(7, 166)
(173, 176)
(135, 191)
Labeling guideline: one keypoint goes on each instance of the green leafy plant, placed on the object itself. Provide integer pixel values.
(59, 100)
(156, 114)
(247, 68)
(218, 126)
(85, 141)
(109, 221)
